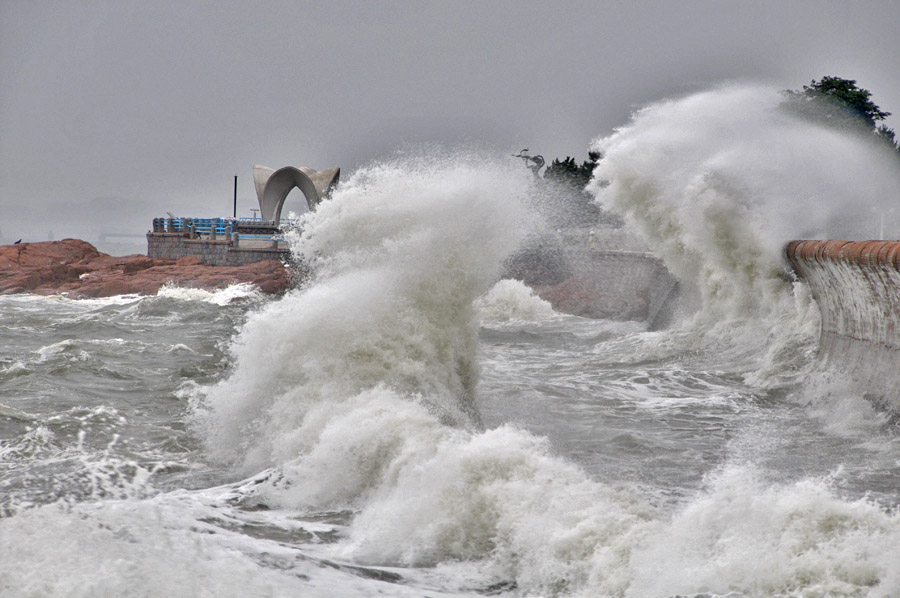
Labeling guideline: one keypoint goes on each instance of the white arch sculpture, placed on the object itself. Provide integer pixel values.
(273, 186)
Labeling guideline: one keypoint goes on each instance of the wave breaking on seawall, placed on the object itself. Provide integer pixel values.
(719, 182)
(857, 288)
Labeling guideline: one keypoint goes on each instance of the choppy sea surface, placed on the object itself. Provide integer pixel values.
(406, 424)
(609, 461)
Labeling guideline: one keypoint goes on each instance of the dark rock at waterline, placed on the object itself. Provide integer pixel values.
(76, 269)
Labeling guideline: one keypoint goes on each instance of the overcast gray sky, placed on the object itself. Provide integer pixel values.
(137, 108)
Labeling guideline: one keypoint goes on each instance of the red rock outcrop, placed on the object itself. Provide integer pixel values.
(75, 268)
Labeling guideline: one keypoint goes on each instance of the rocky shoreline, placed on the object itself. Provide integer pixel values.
(75, 269)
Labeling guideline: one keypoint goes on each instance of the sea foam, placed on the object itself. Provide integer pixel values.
(358, 390)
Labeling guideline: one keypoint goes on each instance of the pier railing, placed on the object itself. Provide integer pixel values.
(205, 226)
(244, 232)
(217, 226)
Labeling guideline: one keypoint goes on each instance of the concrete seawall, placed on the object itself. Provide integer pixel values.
(216, 252)
(636, 281)
(857, 287)
(609, 276)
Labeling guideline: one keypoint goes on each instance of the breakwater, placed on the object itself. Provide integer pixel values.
(857, 287)
(595, 277)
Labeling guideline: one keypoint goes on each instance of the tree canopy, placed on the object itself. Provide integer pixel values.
(840, 103)
(568, 172)
(567, 180)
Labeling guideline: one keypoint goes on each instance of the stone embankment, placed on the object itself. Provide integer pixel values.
(76, 269)
(857, 287)
(608, 283)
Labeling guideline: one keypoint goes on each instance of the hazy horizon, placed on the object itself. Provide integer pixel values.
(114, 112)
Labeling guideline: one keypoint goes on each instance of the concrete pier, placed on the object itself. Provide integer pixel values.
(241, 241)
(215, 252)
(216, 241)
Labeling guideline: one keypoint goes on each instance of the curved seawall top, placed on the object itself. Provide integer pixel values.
(857, 287)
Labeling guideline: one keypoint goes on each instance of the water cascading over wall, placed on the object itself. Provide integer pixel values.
(857, 287)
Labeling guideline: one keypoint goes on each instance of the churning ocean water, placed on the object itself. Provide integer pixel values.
(406, 424)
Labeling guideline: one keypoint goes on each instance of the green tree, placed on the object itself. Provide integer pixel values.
(569, 173)
(566, 180)
(841, 104)
(887, 135)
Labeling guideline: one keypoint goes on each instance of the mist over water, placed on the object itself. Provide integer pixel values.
(407, 424)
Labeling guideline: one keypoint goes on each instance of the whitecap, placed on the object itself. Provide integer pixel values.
(229, 294)
(512, 300)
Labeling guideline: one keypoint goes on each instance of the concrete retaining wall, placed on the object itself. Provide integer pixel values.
(857, 287)
(218, 252)
(634, 278)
